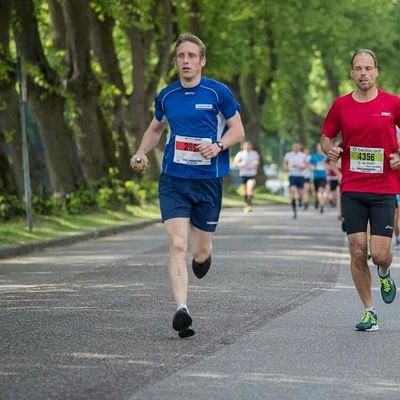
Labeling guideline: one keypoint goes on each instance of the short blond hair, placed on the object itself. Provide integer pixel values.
(189, 37)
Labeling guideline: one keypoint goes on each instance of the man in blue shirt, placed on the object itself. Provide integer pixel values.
(204, 122)
(319, 165)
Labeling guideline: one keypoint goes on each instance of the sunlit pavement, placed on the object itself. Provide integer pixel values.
(273, 319)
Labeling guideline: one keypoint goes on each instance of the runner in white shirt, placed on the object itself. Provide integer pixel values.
(307, 181)
(295, 162)
(248, 161)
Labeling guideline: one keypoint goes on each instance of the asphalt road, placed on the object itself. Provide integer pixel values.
(273, 319)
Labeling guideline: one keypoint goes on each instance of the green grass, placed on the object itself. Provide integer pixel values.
(50, 227)
(53, 226)
(235, 198)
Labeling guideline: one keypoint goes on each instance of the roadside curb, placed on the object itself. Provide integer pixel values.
(23, 249)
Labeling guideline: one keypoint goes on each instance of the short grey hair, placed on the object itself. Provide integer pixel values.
(367, 51)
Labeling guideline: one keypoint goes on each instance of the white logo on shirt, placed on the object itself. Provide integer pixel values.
(383, 114)
(203, 106)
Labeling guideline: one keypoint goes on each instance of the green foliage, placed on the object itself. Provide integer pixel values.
(109, 193)
(113, 193)
(10, 207)
(288, 48)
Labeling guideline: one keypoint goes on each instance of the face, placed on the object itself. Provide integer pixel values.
(364, 72)
(189, 62)
(247, 146)
(296, 147)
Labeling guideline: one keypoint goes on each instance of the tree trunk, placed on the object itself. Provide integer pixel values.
(253, 109)
(47, 103)
(145, 77)
(7, 182)
(104, 50)
(333, 82)
(85, 88)
(57, 18)
(10, 133)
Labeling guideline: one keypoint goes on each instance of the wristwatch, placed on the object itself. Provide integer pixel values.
(220, 145)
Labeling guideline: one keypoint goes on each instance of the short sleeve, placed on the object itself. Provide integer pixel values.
(159, 109)
(228, 104)
(397, 111)
(331, 125)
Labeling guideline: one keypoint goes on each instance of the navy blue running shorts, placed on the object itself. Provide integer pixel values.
(359, 208)
(297, 181)
(319, 183)
(200, 200)
(247, 178)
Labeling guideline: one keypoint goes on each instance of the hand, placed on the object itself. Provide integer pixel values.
(209, 150)
(394, 161)
(138, 163)
(334, 153)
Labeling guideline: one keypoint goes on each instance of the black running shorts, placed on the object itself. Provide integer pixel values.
(359, 208)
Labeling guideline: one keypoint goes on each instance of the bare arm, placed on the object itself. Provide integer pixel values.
(394, 161)
(149, 141)
(333, 167)
(333, 152)
(233, 135)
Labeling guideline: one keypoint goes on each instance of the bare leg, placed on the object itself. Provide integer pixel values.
(380, 251)
(359, 267)
(201, 245)
(178, 234)
(293, 192)
(248, 193)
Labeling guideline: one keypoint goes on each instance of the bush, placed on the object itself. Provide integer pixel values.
(108, 193)
(10, 207)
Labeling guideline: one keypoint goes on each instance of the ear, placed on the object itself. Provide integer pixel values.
(351, 73)
(203, 61)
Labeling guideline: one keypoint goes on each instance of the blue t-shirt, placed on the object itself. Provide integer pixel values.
(195, 115)
(320, 166)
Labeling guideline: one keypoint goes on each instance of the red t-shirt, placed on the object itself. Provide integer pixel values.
(369, 137)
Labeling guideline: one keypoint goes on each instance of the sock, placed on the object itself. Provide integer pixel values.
(294, 205)
(182, 306)
(383, 274)
(249, 199)
(372, 308)
(246, 199)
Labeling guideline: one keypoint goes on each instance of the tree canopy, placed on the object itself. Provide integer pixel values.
(93, 68)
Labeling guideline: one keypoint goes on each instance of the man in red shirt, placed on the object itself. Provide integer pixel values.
(366, 119)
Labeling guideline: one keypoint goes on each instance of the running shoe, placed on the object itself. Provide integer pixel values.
(182, 322)
(247, 209)
(368, 323)
(200, 269)
(388, 288)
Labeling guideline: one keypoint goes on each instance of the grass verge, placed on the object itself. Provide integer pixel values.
(49, 227)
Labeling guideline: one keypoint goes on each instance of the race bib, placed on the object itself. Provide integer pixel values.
(186, 151)
(366, 159)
